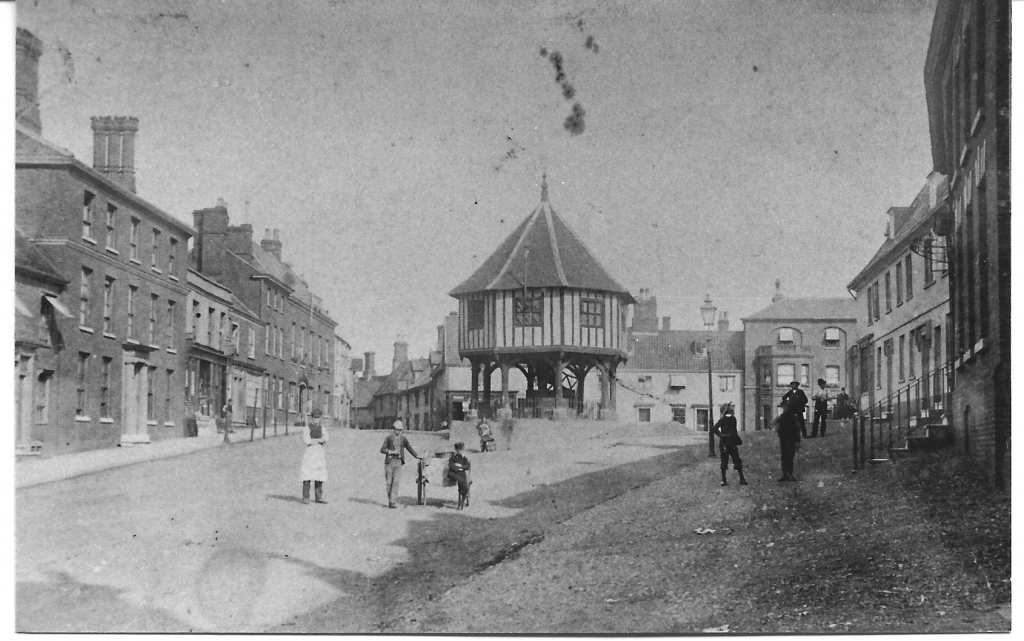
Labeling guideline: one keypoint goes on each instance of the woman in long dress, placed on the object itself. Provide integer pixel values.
(314, 461)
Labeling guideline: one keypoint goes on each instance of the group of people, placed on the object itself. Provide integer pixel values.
(790, 426)
(314, 462)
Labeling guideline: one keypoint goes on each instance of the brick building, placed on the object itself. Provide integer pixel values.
(800, 339)
(117, 377)
(297, 353)
(37, 340)
(967, 84)
(903, 295)
(665, 378)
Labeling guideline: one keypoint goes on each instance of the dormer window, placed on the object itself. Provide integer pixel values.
(787, 335)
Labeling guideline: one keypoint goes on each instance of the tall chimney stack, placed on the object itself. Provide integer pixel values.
(113, 150)
(210, 241)
(272, 244)
(369, 371)
(723, 322)
(401, 354)
(26, 81)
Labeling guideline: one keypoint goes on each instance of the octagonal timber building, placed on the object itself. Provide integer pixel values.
(543, 304)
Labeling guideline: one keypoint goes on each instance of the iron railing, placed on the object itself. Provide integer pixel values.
(883, 425)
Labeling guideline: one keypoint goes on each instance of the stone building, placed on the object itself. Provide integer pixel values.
(297, 354)
(967, 84)
(118, 377)
(341, 410)
(801, 339)
(666, 377)
(903, 296)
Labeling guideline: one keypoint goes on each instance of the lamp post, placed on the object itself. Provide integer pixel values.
(707, 312)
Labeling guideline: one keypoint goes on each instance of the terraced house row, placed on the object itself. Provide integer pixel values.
(123, 334)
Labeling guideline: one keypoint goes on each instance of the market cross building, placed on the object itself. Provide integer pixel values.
(541, 303)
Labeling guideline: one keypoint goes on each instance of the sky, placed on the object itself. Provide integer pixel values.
(696, 147)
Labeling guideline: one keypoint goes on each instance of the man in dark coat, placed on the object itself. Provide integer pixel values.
(729, 442)
(797, 401)
(789, 439)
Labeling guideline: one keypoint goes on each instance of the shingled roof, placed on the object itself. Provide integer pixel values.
(681, 351)
(557, 258)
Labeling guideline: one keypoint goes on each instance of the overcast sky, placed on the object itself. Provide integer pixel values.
(717, 146)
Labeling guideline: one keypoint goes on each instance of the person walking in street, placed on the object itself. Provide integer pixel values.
(393, 449)
(797, 401)
(820, 408)
(789, 438)
(486, 437)
(458, 471)
(314, 460)
(729, 441)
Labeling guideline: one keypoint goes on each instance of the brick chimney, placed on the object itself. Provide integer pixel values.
(778, 291)
(401, 354)
(211, 239)
(645, 312)
(666, 323)
(368, 365)
(723, 322)
(26, 81)
(113, 148)
(272, 243)
(239, 239)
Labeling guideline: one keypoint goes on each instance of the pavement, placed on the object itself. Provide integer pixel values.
(30, 471)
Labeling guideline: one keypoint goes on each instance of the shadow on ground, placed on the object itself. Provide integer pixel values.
(445, 551)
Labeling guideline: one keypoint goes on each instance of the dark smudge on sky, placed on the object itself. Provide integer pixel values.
(574, 123)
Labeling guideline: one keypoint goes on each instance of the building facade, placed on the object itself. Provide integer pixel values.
(118, 377)
(37, 342)
(801, 339)
(297, 352)
(967, 84)
(666, 378)
(903, 296)
(341, 413)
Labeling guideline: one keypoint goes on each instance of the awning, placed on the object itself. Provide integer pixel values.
(57, 305)
(22, 308)
(677, 380)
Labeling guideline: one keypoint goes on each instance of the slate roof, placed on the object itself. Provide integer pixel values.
(808, 309)
(365, 391)
(673, 350)
(910, 222)
(557, 258)
(29, 258)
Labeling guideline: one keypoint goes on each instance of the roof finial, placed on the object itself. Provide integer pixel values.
(544, 188)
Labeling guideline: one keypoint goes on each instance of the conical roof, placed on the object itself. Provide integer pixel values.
(541, 252)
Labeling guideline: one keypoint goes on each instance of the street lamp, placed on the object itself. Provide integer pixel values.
(707, 312)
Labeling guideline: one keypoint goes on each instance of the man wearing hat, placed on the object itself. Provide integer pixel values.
(821, 399)
(789, 438)
(797, 403)
(314, 461)
(729, 442)
(393, 450)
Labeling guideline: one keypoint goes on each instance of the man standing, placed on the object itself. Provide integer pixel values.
(842, 404)
(797, 401)
(393, 450)
(729, 442)
(789, 439)
(820, 408)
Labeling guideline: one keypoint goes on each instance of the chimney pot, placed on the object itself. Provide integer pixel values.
(723, 322)
(113, 152)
